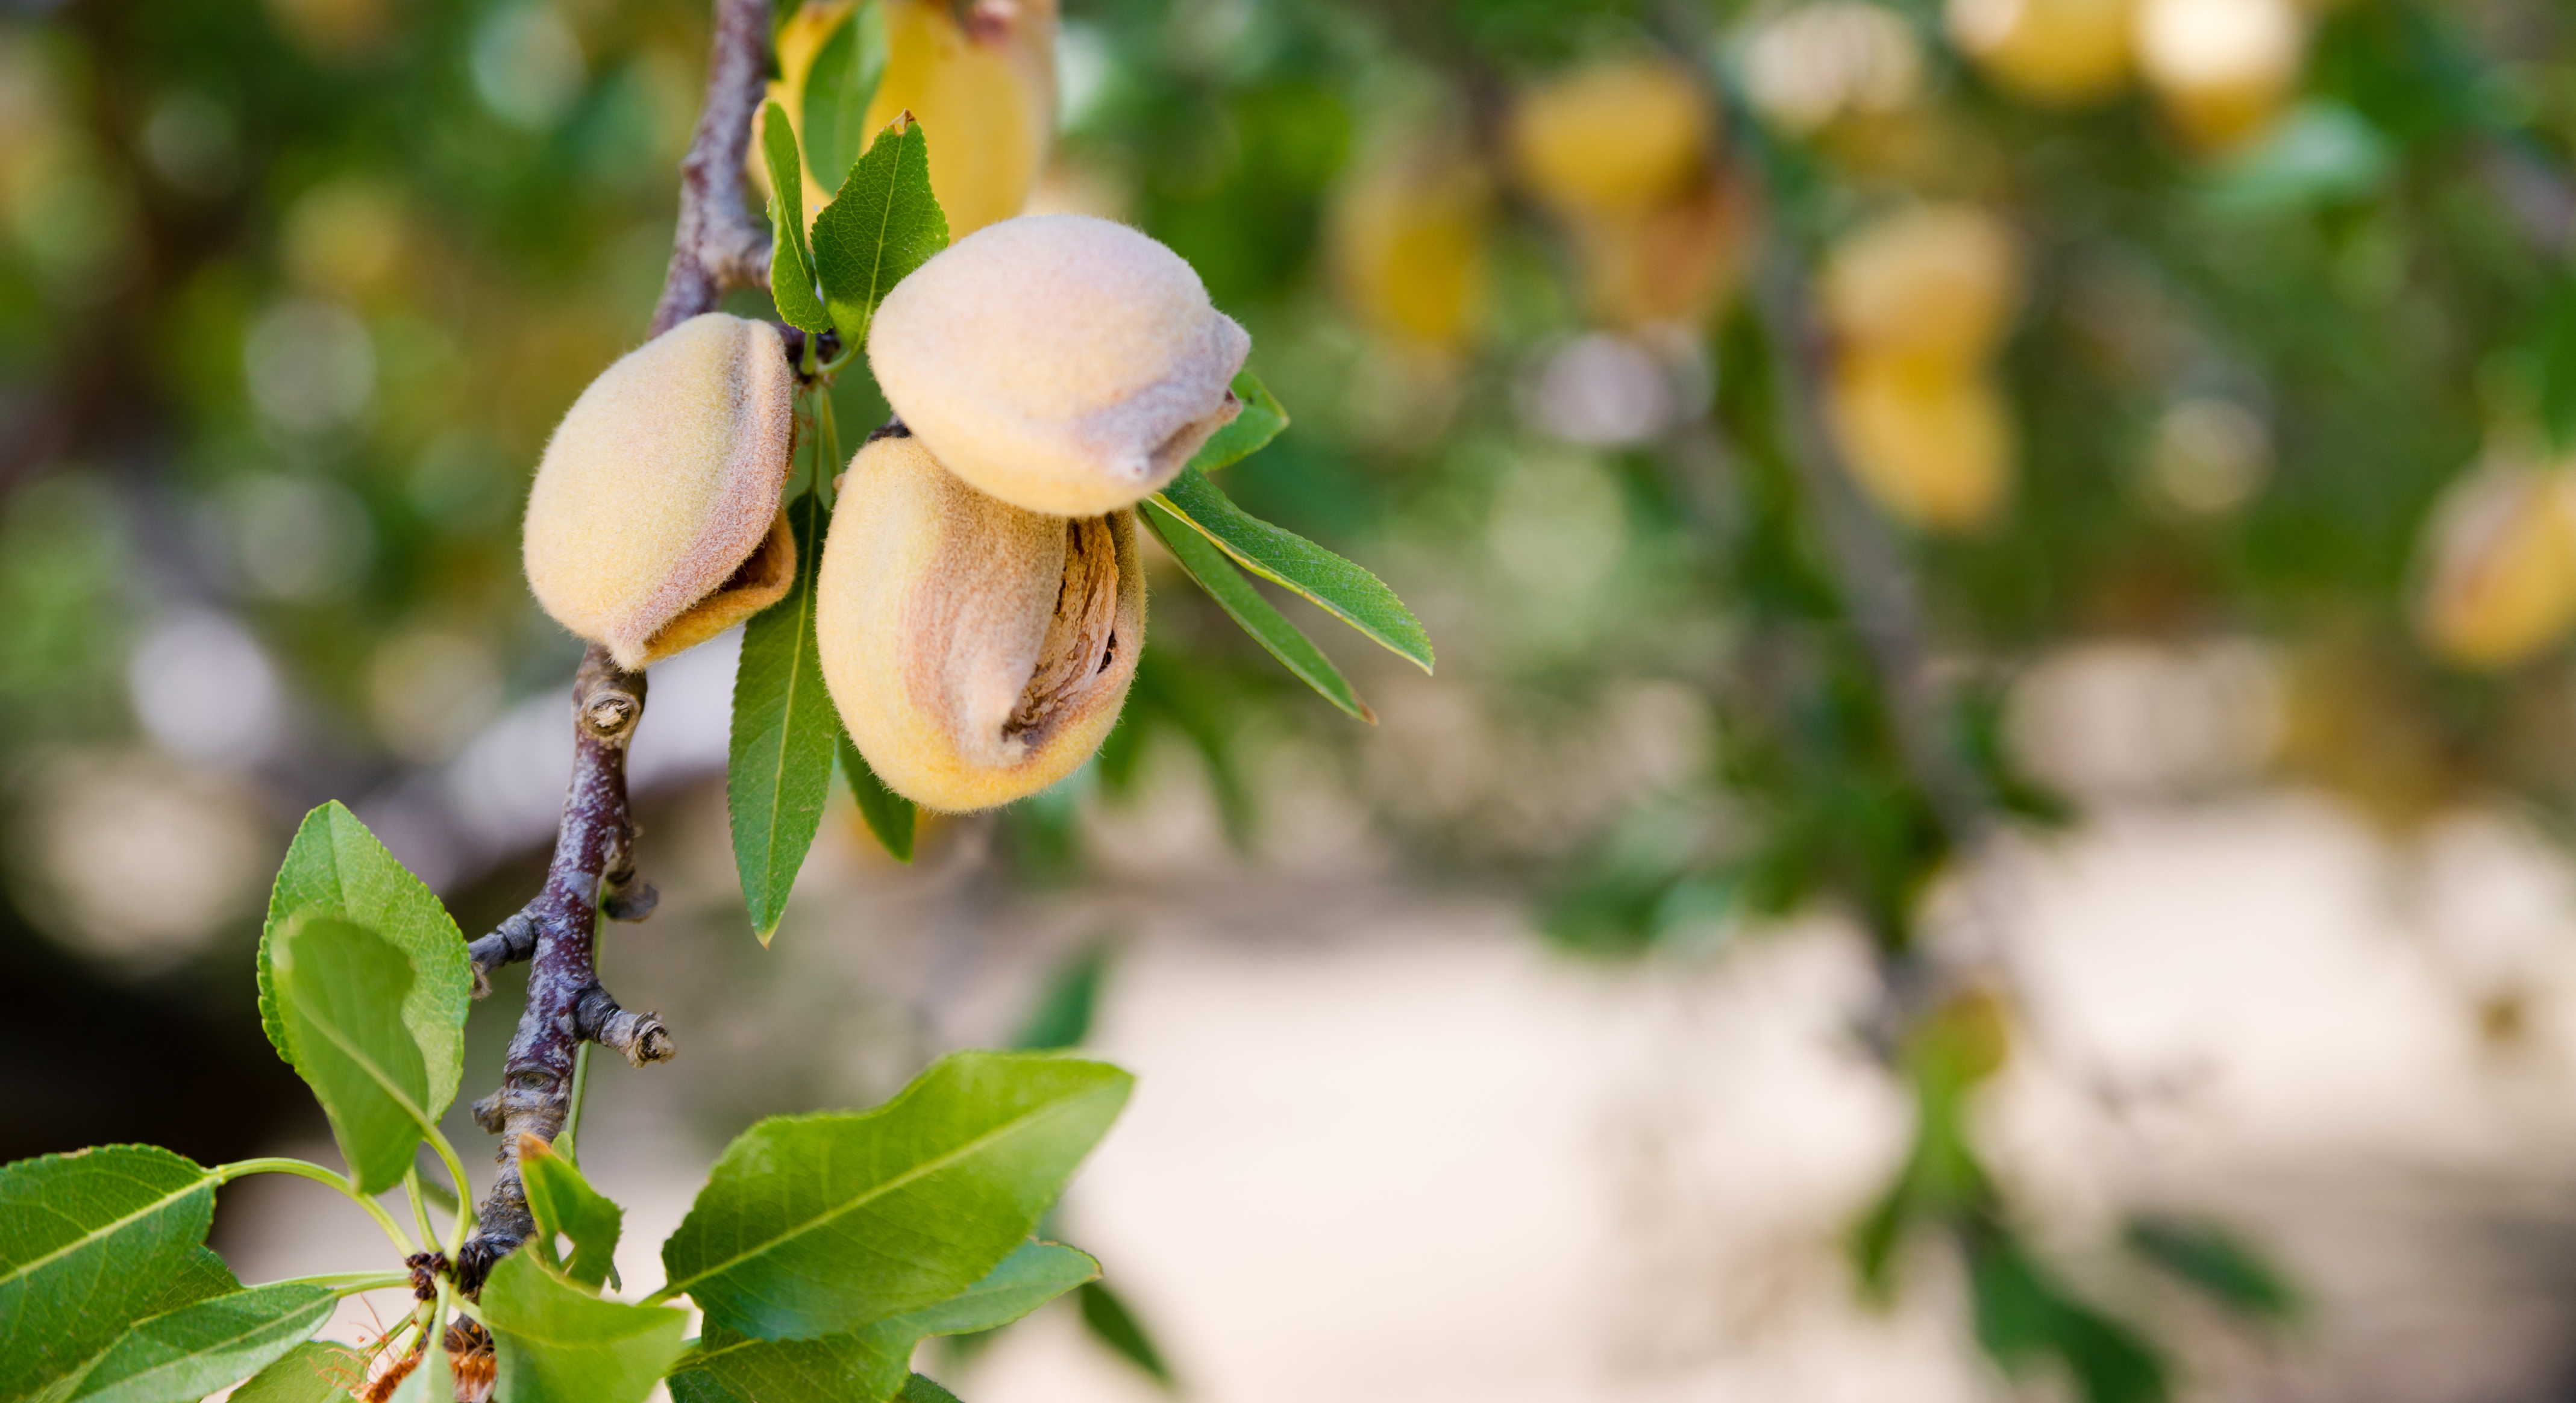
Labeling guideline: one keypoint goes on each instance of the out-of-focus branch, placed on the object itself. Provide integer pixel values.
(1872, 573)
(716, 248)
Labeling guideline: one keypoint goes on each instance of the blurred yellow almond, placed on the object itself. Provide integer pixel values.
(984, 93)
(653, 524)
(1613, 137)
(1818, 63)
(2502, 581)
(1931, 444)
(977, 652)
(1062, 363)
(1939, 282)
(2053, 52)
(1406, 241)
(2221, 69)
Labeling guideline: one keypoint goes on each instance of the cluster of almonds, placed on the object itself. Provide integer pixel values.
(980, 603)
(1917, 301)
(1621, 154)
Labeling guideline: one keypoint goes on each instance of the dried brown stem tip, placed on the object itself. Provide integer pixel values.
(1061, 363)
(977, 652)
(654, 521)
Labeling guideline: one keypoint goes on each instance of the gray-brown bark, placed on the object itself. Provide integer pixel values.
(717, 247)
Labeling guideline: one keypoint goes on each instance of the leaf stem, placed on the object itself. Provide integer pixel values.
(419, 1203)
(568, 1143)
(349, 1283)
(827, 445)
(306, 1169)
(464, 1223)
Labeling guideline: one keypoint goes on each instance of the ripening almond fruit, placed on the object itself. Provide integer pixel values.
(2221, 69)
(977, 652)
(1935, 282)
(1062, 363)
(2502, 582)
(1615, 137)
(1930, 443)
(2059, 53)
(654, 522)
(1406, 239)
(984, 93)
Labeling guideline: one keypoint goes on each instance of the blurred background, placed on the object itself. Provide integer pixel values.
(1993, 820)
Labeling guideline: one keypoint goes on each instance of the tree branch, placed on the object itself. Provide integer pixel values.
(716, 248)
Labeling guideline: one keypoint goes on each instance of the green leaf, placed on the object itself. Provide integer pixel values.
(181, 1356)
(791, 257)
(1262, 420)
(871, 1363)
(1205, 563)
(813, 1225)
(889, 815)
(335, 868)
(883, 224)
(2216, 1263)
(1034, 1274)
(563, 1202)
(1111, 1323)
(2023, 1315)
(339, 986)
(780, 769)
(838, 89)
(1062, 1017)
(313, 1372)
(1345, 591)
(90, 1243)
(921, 1388)
(559, 1344)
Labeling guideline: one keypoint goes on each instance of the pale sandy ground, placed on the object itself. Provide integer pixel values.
(1385, 1146)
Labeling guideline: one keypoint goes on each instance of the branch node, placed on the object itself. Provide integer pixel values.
(632, 901)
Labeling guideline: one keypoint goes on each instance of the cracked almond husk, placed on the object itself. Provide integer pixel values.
(977, 652)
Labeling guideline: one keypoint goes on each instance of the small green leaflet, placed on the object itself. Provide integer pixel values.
(1261, 420)
(1111, 1323)
(816, 1225)
(90, 1243)
(838, 89)
(871, 1363)
(2213, 1261)
(1346, 591)
(1206, 564)
(1062, 1016)
(791, 257)
(340, 987)
(883, 224)
(563, 1202)
(181, 1356)
(560, 1344)
(336, 868)
(921, 1388)
(780, 766)
(889, 815)
(313, 1372)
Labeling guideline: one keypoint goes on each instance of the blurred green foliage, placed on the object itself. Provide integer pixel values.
(291, 293)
